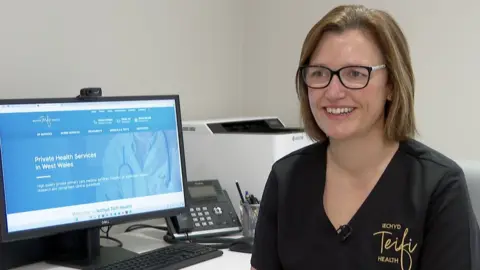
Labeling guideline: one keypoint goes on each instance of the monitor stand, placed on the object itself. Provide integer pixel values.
(81, 250)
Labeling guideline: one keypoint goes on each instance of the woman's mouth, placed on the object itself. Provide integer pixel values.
(339, 111)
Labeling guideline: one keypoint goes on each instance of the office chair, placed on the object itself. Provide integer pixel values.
(471, 168)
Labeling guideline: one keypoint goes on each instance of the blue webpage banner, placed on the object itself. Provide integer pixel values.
(64, 158)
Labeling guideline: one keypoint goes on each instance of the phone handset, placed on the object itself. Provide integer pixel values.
(183, 223)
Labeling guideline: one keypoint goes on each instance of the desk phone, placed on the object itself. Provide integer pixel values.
(210, 212)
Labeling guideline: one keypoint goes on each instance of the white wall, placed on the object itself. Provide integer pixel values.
(53, 48)
(229, 58)
(444, 40)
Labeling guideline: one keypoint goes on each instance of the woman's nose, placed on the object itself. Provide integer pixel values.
(335, 90)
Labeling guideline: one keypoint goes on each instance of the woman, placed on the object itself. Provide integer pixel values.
(367, 195)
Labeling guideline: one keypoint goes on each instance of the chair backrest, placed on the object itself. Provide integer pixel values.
(471, 168)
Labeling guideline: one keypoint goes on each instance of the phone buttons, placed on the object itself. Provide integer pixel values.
(233, 217)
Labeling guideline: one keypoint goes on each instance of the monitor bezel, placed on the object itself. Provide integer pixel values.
(47, 231)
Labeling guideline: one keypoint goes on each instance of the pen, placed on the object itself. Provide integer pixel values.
(240, 192)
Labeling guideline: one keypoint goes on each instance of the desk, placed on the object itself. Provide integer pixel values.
(147, 239)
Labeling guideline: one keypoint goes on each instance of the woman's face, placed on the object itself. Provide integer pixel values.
(340, 112)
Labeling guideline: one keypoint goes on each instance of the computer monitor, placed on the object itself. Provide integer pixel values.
(71, 164)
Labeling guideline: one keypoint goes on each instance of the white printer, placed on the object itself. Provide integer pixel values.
(242, 150)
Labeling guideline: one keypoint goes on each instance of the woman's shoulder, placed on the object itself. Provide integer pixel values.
(430, 167)
(427, 158)
(301, 160)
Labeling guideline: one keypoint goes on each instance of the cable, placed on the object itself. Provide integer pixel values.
(188, 238)
(144, 226)
(105, 231)
(108, 237)
(120, 244)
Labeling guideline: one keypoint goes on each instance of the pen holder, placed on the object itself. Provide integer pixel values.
(248, 217)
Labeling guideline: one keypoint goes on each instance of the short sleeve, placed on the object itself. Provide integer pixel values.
(452, 236)
(265, 251)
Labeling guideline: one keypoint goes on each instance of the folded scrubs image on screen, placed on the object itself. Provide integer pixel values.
(143, 163)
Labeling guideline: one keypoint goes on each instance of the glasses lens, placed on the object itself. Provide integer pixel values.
(354, 77)
(316, 77)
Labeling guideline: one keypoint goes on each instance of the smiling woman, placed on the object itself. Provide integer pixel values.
(367, 195)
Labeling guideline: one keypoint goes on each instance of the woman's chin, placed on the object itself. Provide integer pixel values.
(339, 135)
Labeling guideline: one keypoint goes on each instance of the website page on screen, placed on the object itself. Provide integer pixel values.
(73, 162)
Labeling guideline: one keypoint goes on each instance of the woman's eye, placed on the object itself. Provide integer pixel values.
(318, 74)
(356, 73)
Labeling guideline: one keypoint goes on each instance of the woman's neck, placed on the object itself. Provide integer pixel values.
(359, 154)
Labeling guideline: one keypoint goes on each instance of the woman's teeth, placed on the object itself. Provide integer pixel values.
(339, 110)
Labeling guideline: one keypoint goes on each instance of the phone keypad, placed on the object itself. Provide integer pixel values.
(201, 216)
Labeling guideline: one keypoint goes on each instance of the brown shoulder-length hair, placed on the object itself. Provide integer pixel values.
(399, 110)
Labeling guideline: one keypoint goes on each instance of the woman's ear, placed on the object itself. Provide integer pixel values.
(389, 92)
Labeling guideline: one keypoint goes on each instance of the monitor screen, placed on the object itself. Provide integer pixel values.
(66, 163)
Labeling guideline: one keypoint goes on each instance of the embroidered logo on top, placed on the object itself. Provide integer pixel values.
(395, 245)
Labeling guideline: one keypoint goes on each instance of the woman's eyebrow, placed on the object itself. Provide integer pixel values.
(350, 63)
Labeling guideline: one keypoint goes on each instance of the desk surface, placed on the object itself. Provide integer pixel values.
(148, 239)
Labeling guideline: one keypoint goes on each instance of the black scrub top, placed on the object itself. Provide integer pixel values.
(418, 217)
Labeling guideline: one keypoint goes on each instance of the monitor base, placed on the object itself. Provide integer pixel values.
(24, 252)
(72, 248)
(81, 250)
(107, 256)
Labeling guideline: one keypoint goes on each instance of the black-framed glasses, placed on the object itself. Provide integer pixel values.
(352, 77)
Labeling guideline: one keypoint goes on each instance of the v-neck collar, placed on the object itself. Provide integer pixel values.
(369, 204)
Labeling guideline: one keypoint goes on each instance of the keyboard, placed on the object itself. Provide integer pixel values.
(172, 257)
